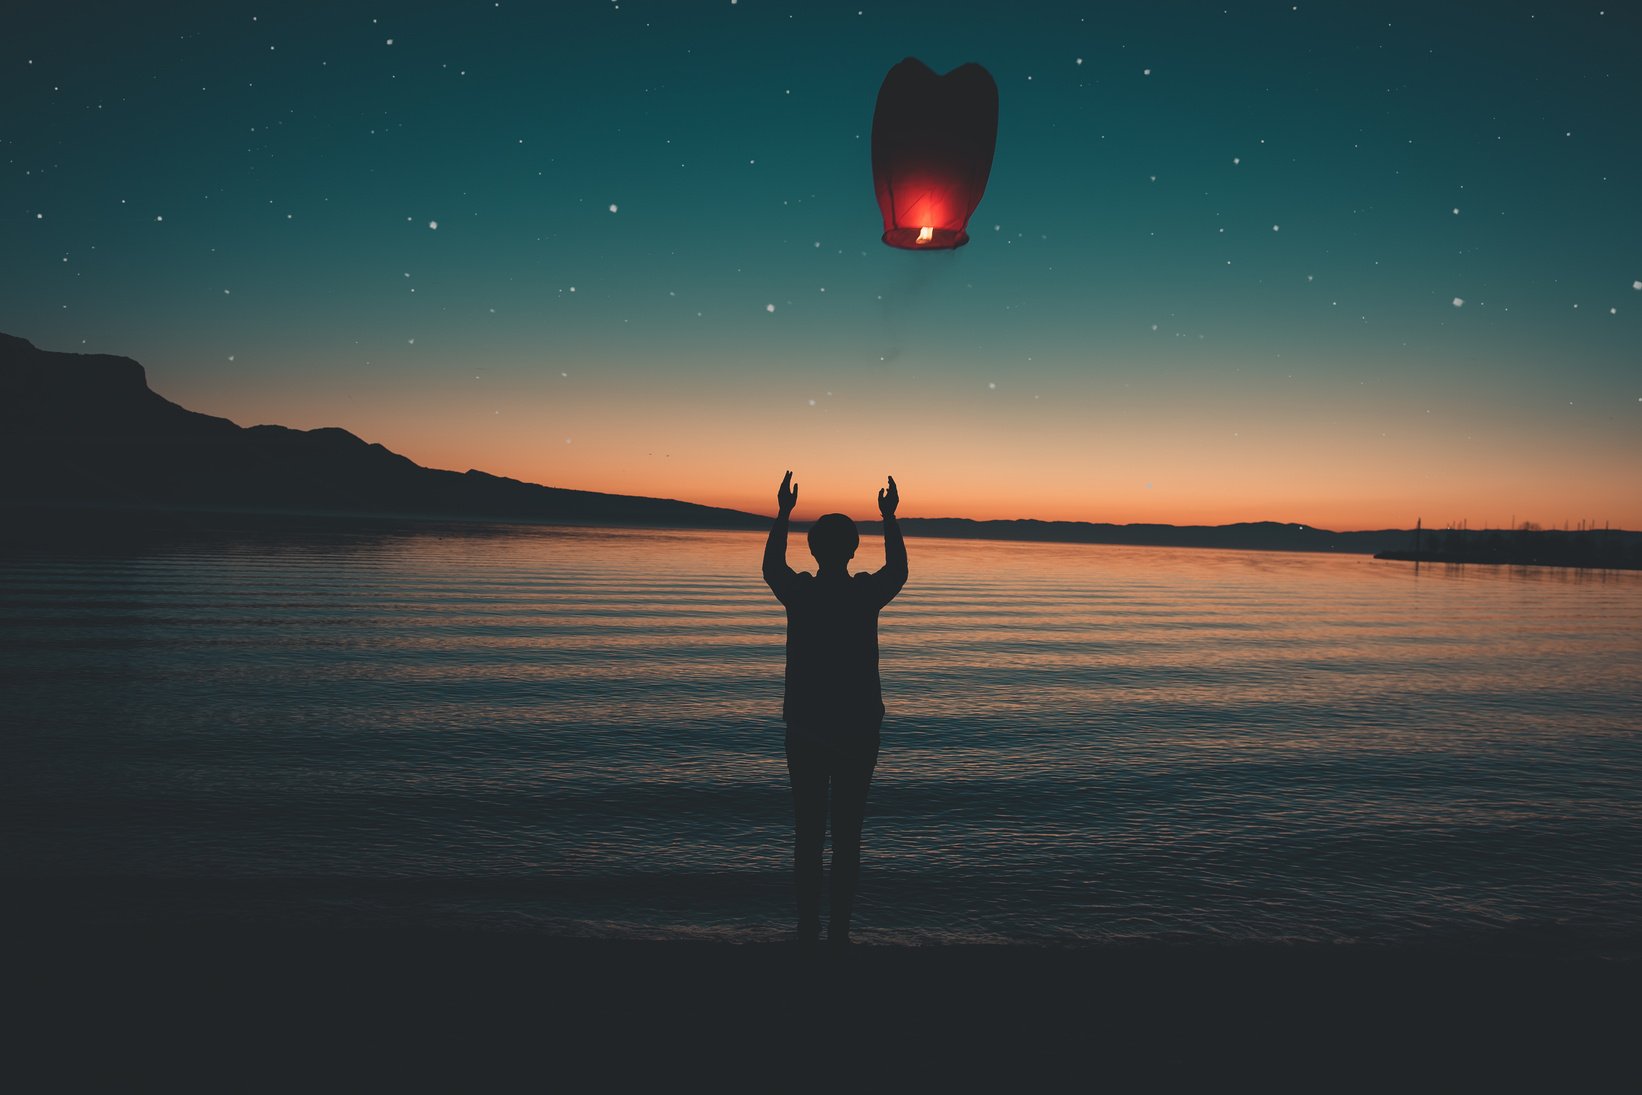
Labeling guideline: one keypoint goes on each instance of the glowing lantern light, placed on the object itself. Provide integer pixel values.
(932, 142)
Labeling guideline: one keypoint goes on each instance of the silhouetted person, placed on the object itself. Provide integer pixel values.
(834, 706)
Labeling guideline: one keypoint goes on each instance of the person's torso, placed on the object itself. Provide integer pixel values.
(832, 651)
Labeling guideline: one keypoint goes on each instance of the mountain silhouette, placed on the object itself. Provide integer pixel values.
(85, 430)
(1242, 536)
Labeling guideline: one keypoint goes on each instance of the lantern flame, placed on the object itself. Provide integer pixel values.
(926, 234)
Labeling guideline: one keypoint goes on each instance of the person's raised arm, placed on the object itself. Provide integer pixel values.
(777, 573)
(894, 574)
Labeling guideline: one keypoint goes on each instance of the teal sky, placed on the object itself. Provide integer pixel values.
(1341, 264)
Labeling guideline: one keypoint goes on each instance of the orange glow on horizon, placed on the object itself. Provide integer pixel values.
(1085, 450)
(927, 494)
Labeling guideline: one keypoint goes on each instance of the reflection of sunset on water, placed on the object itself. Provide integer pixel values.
(581, 727)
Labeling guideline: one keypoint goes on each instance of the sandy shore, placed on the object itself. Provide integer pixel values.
(141, 1007)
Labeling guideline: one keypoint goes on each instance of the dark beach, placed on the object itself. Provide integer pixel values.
(112, 1005)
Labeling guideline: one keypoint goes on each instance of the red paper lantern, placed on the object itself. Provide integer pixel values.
(932, 142)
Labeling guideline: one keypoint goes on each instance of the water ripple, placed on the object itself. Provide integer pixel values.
(579, 729)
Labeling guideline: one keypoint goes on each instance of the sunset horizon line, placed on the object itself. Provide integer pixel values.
(637, 484)
(755, 509)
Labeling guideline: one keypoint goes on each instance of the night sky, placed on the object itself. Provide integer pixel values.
(1346, 265)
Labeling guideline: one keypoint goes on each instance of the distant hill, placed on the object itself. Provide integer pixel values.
(85, 430)
(1245, 535)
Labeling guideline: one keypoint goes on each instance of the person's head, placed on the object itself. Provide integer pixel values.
(833, 540)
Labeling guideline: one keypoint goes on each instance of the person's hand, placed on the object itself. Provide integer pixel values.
(787, 497)
(888, 499)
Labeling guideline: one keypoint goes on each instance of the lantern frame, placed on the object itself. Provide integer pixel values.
(933, 138)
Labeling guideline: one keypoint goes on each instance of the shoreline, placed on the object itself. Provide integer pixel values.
(613, 1010)
(1464, 559)
(38, 523)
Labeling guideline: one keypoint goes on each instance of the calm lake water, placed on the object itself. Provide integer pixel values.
(578, 730)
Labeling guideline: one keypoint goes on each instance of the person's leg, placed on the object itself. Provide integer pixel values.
(807, 771)
(851, 778)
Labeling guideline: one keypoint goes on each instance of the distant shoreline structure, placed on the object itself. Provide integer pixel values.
(82, 434)
(1526, 545)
